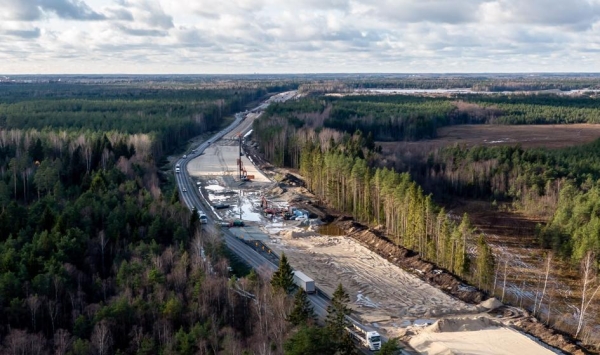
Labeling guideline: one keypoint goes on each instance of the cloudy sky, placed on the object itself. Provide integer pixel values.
(298, 36)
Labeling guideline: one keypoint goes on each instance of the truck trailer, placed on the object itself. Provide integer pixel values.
(368, 338)
(305, 282)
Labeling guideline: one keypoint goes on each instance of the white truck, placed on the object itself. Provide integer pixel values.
(202, 217)
(301, 280)
(368, 338)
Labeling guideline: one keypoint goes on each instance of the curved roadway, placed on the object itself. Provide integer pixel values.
(191, 198)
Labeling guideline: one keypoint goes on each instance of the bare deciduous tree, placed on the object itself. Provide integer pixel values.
(33, 303)
(102, 338)
(588, 279)
(62, 341)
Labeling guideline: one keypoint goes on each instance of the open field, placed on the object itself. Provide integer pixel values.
(528, 136)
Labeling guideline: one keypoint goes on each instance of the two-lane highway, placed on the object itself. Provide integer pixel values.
(191, 197)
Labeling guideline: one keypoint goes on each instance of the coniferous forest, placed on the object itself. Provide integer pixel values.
(97, 255)
(334, 142)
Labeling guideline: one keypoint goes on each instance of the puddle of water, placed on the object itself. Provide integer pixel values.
(330, 229)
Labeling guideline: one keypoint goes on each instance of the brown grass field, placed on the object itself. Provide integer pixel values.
(527, 136)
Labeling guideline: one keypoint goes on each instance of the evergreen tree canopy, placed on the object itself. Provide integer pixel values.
(303, 312)
(336, 320)
(283, 278)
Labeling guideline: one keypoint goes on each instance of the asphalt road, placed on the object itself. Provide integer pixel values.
(191, 198)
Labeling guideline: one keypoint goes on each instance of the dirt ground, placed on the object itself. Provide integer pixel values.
(371, 281)
(528, 136)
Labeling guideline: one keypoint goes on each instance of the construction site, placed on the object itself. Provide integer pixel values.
(270, 209)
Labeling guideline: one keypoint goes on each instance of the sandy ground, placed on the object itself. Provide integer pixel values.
(221, 159)
(492, 341)
(372, 282)
(475, 336)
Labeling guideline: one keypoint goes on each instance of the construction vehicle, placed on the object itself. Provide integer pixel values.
(304, 282)
(234, 223)
(368, 338)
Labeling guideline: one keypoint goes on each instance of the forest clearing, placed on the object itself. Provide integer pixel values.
(527, 136)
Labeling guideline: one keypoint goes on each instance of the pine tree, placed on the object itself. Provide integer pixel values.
(303, 312)
(175, 197)
(194, 222)
(283, 278)
(337, 311)
(485, 263)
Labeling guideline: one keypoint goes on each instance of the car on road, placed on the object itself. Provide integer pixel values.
(184, 189)
(220, 205)
(184, 156)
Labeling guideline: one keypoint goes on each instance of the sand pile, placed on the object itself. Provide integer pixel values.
(482, 336)
(294, 234)
(491, 303)
(450, 325)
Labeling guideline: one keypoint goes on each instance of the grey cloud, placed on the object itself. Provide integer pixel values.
(26, 34)
(70, 9)
(577, 14)
(142, 32)
(437, 11)
(21, 10)
(150, 13)
(120, 14)
(31, 10)
(192, 37)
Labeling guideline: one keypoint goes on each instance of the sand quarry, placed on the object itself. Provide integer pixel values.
(386, 297)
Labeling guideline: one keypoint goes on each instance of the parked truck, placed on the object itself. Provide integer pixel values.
(368, 338)
(301, 280)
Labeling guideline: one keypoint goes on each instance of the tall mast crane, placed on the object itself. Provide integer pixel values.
(242, 173)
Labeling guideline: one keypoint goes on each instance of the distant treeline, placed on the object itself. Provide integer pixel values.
(172, 115)
(404, 117)
(488, 83)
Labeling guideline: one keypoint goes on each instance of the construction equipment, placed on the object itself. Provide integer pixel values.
(242, 173)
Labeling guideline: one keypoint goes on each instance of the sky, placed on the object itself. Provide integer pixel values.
(298, 36)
